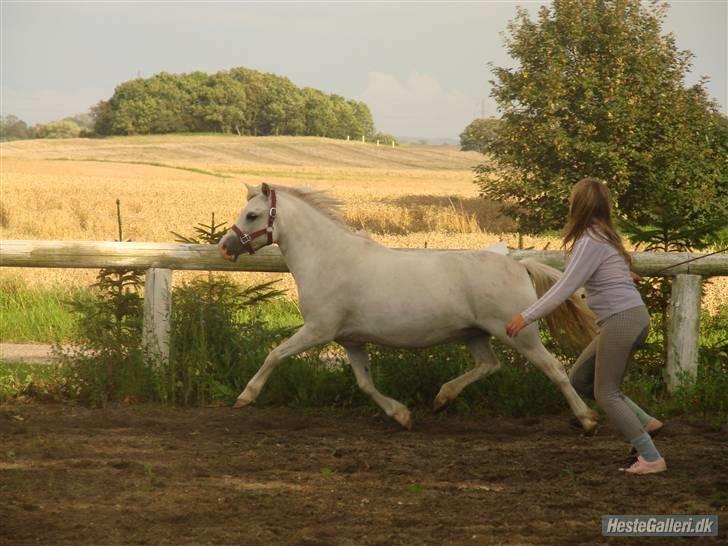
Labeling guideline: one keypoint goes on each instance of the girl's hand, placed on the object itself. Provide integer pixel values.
(635, 277)
(516, 324)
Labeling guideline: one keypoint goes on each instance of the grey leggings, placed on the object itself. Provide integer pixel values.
(599, 370)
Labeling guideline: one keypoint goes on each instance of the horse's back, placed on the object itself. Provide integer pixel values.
(444, 278)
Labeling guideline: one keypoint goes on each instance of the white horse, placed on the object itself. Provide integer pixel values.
(353, 290)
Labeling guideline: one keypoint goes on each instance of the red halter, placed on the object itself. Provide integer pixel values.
(247, 238)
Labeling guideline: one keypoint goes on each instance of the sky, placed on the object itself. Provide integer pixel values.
(422, 67)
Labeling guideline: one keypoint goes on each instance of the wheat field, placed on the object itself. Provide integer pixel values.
(408, 196)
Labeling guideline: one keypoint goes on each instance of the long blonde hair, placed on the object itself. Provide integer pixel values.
(591, 206)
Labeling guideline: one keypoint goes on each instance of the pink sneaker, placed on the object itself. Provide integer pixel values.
(640, 466)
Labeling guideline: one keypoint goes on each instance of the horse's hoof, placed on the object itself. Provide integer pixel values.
(242, 403)
(439, 404)
(404, 418)
(590, 427)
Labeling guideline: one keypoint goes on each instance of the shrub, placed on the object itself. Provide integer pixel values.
(107, 361)
(217, 340)
(59, 129)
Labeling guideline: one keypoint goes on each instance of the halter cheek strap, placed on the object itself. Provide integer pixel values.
(247, 238)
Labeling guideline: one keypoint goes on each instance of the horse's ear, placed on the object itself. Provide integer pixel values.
(252, 190)
(265, 188)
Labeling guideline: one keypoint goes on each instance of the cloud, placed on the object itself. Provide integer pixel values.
(418, 105)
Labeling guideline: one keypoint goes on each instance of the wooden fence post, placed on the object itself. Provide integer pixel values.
(683, 334)
(157, 308)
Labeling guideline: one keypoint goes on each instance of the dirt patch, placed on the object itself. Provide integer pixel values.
(154, 475)
(35, 353)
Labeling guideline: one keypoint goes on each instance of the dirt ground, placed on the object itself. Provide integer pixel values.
(147, 474)
(35, 353)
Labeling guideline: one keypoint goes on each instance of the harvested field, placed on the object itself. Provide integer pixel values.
(409, 196)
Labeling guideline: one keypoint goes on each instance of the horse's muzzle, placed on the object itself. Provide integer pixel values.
(230, 248)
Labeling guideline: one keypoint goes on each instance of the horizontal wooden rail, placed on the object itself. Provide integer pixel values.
(98, 254)
(95, 255)
(160, 259)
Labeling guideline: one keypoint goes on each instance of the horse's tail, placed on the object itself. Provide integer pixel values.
(572, 323)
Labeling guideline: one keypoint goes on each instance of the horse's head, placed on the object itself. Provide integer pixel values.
(254, 227)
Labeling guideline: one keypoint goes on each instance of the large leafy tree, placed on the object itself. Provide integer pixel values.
(599, 91)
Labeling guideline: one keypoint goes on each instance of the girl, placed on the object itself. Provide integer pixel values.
(599, 261)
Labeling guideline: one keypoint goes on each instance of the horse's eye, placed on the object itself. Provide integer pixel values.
(251, 216)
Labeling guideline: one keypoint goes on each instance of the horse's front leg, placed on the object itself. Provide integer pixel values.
(359, 360)
(304, 339)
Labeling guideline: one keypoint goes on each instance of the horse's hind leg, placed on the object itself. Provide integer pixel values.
(359, 360)
(303, 339)
(529, 345)
(485, 364)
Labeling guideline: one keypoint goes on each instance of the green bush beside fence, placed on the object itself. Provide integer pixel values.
(222, 332)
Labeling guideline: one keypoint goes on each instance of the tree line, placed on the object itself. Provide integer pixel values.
(14, 128)
(240, 101)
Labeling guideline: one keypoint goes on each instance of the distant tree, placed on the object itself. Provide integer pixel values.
(345, 119)
(478, 134)
(133, 108)
(222, 102)
(13, 128)
(256, 96)
(319, 116)
(363, 116)
(102, 114)
(59, 129)
(240, 100)
(599, 92)
(383, 138)
(295, 106)
(84, 121)
(278, 112)
(167, 103)
(191, 86)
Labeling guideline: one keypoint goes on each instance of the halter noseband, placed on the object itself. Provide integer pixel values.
(247, 238)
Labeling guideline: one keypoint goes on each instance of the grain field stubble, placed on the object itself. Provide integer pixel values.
(410, 196)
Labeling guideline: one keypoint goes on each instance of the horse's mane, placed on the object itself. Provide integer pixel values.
(322, 201)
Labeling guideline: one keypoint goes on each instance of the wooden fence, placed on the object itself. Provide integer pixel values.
(160, 259)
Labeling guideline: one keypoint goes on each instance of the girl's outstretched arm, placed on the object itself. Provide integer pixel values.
(585, 259)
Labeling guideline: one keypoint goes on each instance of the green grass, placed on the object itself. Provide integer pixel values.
(35, 316)
(15, 377)
(281, 313)
(227, 358)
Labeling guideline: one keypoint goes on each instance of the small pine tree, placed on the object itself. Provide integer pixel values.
(107, 360)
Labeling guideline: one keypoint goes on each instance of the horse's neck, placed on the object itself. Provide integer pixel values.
(308, 239)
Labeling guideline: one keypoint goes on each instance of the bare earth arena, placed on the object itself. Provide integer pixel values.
(145, 474)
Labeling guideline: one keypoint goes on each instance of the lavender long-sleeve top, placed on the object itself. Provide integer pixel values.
(600, 268)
